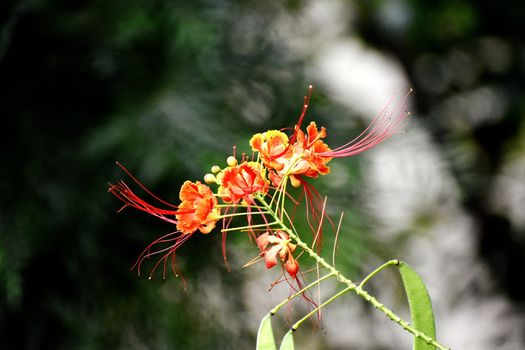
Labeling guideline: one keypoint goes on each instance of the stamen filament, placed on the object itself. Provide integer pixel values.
(249, 227)
(242, 214)
(373, 273)
(238, 206)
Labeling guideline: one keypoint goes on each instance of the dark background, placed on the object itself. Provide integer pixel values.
(163, 87)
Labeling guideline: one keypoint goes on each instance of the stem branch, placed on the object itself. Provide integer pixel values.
(281, 304)
(373, 273)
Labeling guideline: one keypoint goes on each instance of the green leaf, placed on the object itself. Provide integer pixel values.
(420, 305)
(287, 343)
(265, 339)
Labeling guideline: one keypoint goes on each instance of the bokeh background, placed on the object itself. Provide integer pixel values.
(168, 87)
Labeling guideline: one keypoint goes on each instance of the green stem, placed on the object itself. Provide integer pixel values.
(373, 273)
(285, 301)
(390, 314)
(351, 285)
(307, 316)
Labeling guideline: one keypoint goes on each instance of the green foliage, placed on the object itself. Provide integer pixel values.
(265, 339)
(287, 343)
(420, 305)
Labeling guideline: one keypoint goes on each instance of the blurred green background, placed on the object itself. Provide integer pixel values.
(167, 88)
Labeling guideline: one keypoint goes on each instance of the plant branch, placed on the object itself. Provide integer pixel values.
(357, 289)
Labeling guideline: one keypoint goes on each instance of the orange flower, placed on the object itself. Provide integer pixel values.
(311, 149)
(305, 157)
(273, 148)
(241, 182)
(198, 209)
(278, 245)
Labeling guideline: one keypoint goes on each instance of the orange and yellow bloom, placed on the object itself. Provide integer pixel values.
(273, 147)
(241, 182)
(304, 157)
(198, 209)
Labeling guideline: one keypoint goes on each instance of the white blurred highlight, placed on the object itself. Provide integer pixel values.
(409, 188)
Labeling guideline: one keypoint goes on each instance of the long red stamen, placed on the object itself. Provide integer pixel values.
(306, 295)
(297, 126)
(171, 252)
(315, 213)
(385, 124)
(225, 224)
(303, 113)
(125, 194)
(169, 238)
(144, 187)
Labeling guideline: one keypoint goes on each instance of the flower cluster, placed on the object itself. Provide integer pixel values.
(306, 157)
(254, 187)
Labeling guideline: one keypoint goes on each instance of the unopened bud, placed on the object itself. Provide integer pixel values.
(231, 161)
(215, 169)
(210, 178)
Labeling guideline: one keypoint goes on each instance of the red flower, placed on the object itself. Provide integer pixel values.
(278, 245)
(311, 147)
(241, 182)
(306, 157)
(198, 210)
